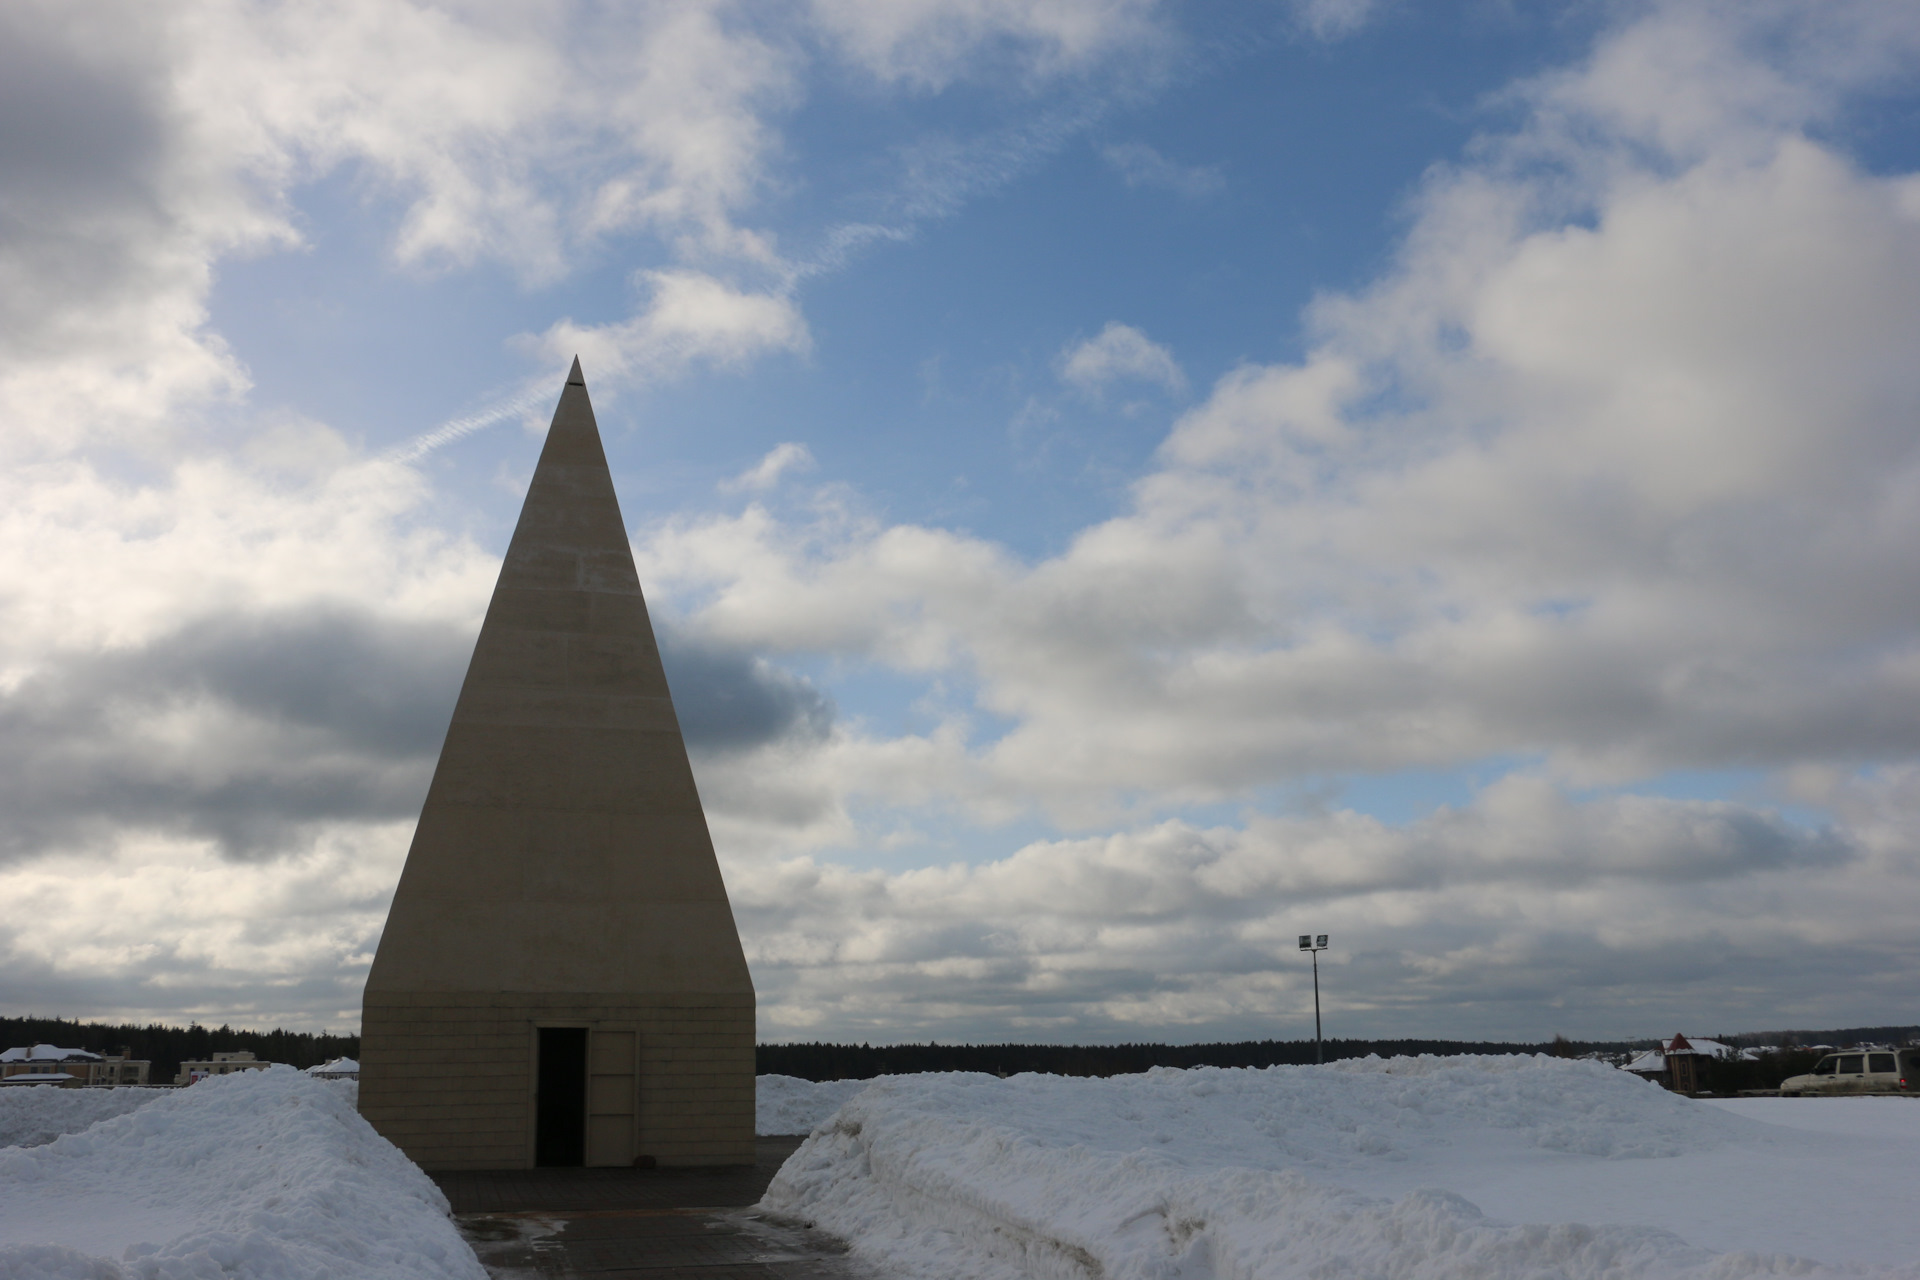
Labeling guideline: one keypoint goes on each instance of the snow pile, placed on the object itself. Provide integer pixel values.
(787, 1104)
(267, 1175)
(32, 1117)
(1357, 1168)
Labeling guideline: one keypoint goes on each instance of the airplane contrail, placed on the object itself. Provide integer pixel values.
(455, 428)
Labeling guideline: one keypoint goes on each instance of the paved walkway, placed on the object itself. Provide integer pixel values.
(647, 1224)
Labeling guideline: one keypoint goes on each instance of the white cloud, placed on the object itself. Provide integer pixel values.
(928, 41)
(102, 562)
(112, 220)
(154, 141)
(1120, 353)
(147, 143)
(767, 473)
(167, 929)
(1633, 913)
(1333, 19)
(506, 134)
(689, 317)
(1627, 482)
(1139, 165)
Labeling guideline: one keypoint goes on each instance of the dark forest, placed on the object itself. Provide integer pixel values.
(166, 1047)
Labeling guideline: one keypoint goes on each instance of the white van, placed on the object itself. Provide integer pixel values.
(1859, 1071)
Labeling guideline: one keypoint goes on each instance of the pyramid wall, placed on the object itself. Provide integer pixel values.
(562, 874)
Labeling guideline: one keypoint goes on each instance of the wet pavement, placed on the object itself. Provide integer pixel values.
(656, 1224)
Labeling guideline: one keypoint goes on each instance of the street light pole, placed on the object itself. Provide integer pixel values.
(1314, 945)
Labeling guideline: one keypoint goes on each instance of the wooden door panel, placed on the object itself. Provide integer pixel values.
(612, 1097)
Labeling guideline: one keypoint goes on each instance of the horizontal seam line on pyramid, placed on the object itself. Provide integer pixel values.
(544, 808)
(550, 691)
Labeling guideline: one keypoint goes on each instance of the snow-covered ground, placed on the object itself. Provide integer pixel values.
(268, 1175)
(1467, 1168)
(1475, 1168)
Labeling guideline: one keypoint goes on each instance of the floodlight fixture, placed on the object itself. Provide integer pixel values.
(1313, 944)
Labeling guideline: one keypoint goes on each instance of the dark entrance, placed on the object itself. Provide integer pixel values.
(560, 1109)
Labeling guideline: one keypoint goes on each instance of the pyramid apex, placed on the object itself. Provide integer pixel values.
(575, 378)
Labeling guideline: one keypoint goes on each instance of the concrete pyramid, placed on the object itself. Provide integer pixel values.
(560, 980)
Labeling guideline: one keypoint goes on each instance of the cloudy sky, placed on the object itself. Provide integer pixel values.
(1120, 485)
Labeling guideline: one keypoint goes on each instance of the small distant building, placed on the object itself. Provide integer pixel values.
(338, 1069)
(1676, 1065)
(58, 1079)
(1650, 1066)
(220, 1064)
(1684, 1059)
(121, 1070)
(71, 1068)
(47, 1064)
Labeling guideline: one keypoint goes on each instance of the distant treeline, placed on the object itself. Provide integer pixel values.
(863, 1062)
(167, 1047)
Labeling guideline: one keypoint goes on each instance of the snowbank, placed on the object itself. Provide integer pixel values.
(1357, 1168)
(36, 1116)
(266, 1175)
(787, 1104)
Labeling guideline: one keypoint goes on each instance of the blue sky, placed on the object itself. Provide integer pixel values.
(1121, 484)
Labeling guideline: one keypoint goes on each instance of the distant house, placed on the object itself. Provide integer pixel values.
(1651, 1065)
(1684, 1058)
(71, 1068)
(47, 1064)
(220, 1064)
(1676, 1065)
(338, 1069)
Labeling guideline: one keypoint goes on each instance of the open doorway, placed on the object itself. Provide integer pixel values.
(560, 1106)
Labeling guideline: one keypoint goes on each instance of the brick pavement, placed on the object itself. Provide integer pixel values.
(645, 1224)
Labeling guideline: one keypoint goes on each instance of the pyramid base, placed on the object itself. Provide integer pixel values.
(451, 1078)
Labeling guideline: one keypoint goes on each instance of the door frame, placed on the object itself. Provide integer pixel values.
(589, 1025)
